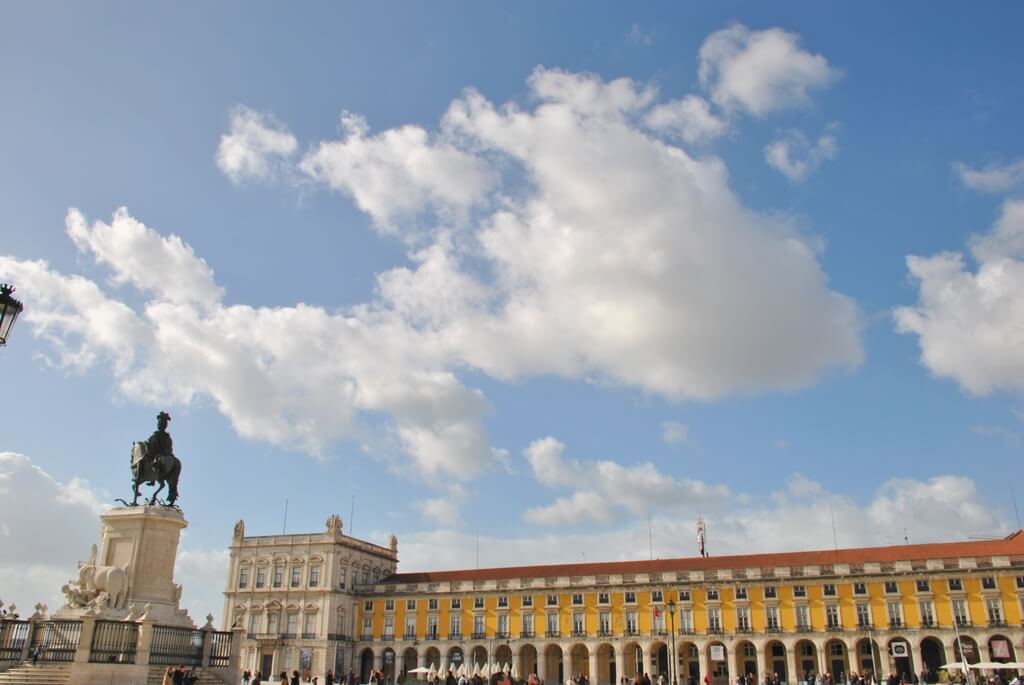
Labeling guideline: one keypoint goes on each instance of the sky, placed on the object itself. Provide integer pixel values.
(518, 283)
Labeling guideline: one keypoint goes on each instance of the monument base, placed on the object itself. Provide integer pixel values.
(131, 576)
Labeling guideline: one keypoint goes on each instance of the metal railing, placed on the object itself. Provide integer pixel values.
(114, 642)
(176, 646)
(13, 635)
(220, 649)
(56, 640)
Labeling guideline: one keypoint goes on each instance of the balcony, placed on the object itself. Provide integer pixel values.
(863, 625)
(553, 633)
(743, 629)
(803, 628)
(265, 636)
(288, 636)
(834, 628)
(604, 632)
(659, 632)
(895, 624)
(631, 630)
(579, 632)
(772, 629)
(963, 621)
(996, 623)
(501, 635)
(454, 636)
(390, 637)
(432, 636)
(715, 630)
(684, 631)
(927, 622)
(338, 637)
(479, 636)
(526, 633)
(309, 636)
(366, 637)
(409, 636)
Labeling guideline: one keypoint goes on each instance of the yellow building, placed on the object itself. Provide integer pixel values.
(881, 609)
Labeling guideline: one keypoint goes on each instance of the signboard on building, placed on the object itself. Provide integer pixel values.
(899, 648)
(717, 653)
(305, 659)
(1000, 649)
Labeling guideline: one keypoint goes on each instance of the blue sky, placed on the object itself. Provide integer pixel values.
(651, 263)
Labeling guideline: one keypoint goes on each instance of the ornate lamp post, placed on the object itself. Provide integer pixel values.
(9, 310)
(673, 665)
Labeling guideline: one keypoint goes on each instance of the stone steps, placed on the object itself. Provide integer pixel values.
(156, 677)
(41, 674)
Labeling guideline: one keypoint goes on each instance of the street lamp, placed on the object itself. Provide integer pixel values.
(673, 666)
(9, 310)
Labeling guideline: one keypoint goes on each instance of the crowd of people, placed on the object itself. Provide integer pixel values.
(180, 675)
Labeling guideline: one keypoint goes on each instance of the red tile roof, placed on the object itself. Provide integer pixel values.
(1011, 545)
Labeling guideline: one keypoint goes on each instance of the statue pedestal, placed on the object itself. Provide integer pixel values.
(133, 572)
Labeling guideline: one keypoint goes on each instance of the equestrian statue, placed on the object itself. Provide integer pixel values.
(153, 461)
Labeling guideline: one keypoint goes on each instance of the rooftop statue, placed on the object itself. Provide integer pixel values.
(153, 461)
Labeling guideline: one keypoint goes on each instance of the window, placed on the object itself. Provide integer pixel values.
(552, 600)
(770, 593)
(389, 605)
(994, 607)
(314, 576)
(684, 595)
(631, 623)
(527, 600)
(771, 618)
(656, 596)
(860, 588)
(552, 625)
(243, 577)
(309, 625)
(895, 611)
(455, 626)
(828, 589)
(296, 576)
(254, 624)
(272, 623)
(1020, 582)
(956, 584)
(658, 621)
(431, 605)
(342, 627)
(803, 617)
(806, 649)
(278, 576)
(410, 627)
(410, 605)
(368, 605)
(749, 650)
(432, 627)
(630, 598)
(927, 609)
(741, 593)
(863, 615)
(527, 625)
(604, 623)
(712, 595)
(799, 591)
(577, 623)
(603, 598)
(366, 576)
(891, 587)
(478, 602)
(261, 577)
(923, 586)
(503, 601)
(341, 579)
(743, 619)
(988, 583)
(714, 620)
(832, 616)
(960, 612)
(686, 620)
(389, 626)
(456, 603)
(577, 599)
(367, 628)
(292, 625)
(502, 624)
(478, 626)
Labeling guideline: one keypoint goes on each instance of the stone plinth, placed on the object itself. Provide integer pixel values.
(133, 571)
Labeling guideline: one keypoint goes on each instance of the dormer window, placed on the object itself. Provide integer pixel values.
(799, 591)
(956, 584)
(770, 593)
(741, 593)
(656, 596)
(712, 595)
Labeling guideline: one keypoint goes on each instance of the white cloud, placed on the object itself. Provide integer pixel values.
(939, 509)
(674, 433)
(203, 575)
(255, 147)
(443, 508)
(638, 36)
(398, 172)
(604, 487)
(970, 326)
(761, 71)
(690, 118)
(994, 178)
(796, 157)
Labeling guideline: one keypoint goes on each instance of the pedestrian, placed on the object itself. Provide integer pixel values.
(257, 678)
(284, 678)
(329, 678)
(350, 679)
(179, 675)
(168, 677)
(295, 678)
(246, 677)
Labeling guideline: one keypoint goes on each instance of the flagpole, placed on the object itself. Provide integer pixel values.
(959, 644)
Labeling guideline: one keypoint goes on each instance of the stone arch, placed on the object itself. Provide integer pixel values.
(746, 658)
(901, 657)
(478, 656)
(606, 671)
(718, 662)
(365, 665)
(503, 655)
(933, 655)
(806, 659)
(456, 657)
(658, 661)
(433, 657)
(554, 672)
(836, 658)
(869, 658)
(775, 660)
(527, 660)
(409, 657)
(970, 650)
(1006, 651)
(689, 662)
(633, 656)
(579, 660)
(389, 663)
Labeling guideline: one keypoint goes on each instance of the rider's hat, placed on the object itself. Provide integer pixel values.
(163, 415)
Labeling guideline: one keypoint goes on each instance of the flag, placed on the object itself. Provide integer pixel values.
(657, 612)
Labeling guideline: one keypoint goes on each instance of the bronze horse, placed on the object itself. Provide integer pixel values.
(163, 469)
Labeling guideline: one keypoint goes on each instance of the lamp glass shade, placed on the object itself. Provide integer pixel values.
(10, 308)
